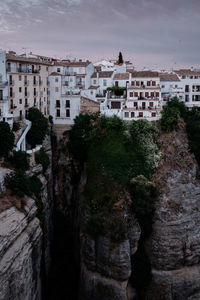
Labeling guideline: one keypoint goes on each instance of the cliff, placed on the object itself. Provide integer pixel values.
(174, 246)
(20, 252)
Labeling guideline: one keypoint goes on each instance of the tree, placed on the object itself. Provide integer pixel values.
(120, 59)
(39, 127)
(7, 138)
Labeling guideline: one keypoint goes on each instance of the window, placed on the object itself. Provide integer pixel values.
(20, 89)
(20, 101)
(56, 79)
(104, 82)
(163, 86)
(67, 103)
(34, 101)
(11, 92)
(135, 94)
(140, 114)
(20, 77)
(148, 83)
(67, 113)
(153, 83)
(176, 86)
(126, 114)
(47, 68)
(153, 114)
(58, 113)
(57, 103)
(137, 83)
(132, 83)
(71, 79)
(58, 70)
(135, 104)
(115, 105)
(34, 92)
(132, 114)
(157, 94)
(146, 94)
(94, 81)
(152, 94)
(131, 94)
(34, 79)
(56, 89)
(151, 104)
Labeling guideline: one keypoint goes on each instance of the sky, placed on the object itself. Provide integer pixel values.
(150, 33)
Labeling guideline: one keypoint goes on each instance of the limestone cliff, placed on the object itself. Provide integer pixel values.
(174, 246)
(20, 252)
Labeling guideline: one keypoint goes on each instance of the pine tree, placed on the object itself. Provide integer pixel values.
(120, 59)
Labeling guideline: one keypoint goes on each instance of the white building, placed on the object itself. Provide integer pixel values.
(191, 84)
(171, 86)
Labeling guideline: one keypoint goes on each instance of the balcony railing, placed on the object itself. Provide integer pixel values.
(4, 98)
(26, 82)
(12, 106)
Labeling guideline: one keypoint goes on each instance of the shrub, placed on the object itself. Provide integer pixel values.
(193, 131)
(94, 225)
(117, 228)
(171, 113)
(20, 160)
(16, 126)
(18, 183)
(7, 139)
(43, 159)
(51, 120)
(39, 127)
(143, 193)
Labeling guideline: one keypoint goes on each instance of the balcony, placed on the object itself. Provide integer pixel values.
(26, 70)
(35, 82)
(12, 106)
(142, 86)
(12, 95)
(70, 93)
(4, 99)
(65, 83)
(11, 82)
(26, 82)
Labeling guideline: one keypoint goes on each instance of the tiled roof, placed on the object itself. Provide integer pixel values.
(55, 74)
(149, 74)
(87, 99)
(168, 77)
(187, 72)
(104, 74)
(30, 60)
(121, 76)
(92, 87)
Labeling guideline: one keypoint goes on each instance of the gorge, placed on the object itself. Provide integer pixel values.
(99, 238)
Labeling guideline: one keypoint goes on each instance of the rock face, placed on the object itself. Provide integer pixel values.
(174, 247)
(20, 252)
(106, 266)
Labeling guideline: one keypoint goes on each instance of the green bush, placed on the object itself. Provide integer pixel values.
(171, 113)
(39, 127)
(7, 139)
(18, 183)
(94, 225)
(193, 131)
(43, 159)
(117, 228)
(20, 160)
(16, 126)
(143, 194)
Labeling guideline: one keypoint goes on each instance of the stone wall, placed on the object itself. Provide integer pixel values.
(88, 106)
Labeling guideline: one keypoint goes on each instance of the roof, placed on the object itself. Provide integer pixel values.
(121, 76)
(168, 77)
(87, 99)
(30, 60)
(187, 72)
(148, 74)
(92, 87)
(104, 74)
(55, 74)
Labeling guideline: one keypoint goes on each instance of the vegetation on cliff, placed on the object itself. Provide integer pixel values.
(114, 152)
(6, 139)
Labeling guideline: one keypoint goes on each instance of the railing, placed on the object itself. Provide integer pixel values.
(12, 106)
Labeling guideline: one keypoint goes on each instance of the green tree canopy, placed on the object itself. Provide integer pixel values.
(7, 139)
(39, 127)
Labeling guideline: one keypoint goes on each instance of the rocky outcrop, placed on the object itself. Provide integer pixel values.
(20, 252)
(106, 266)
(174, 247)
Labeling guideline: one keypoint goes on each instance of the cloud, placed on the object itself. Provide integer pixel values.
(151, 32)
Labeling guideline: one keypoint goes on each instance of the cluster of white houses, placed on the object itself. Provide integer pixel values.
(64, 88)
